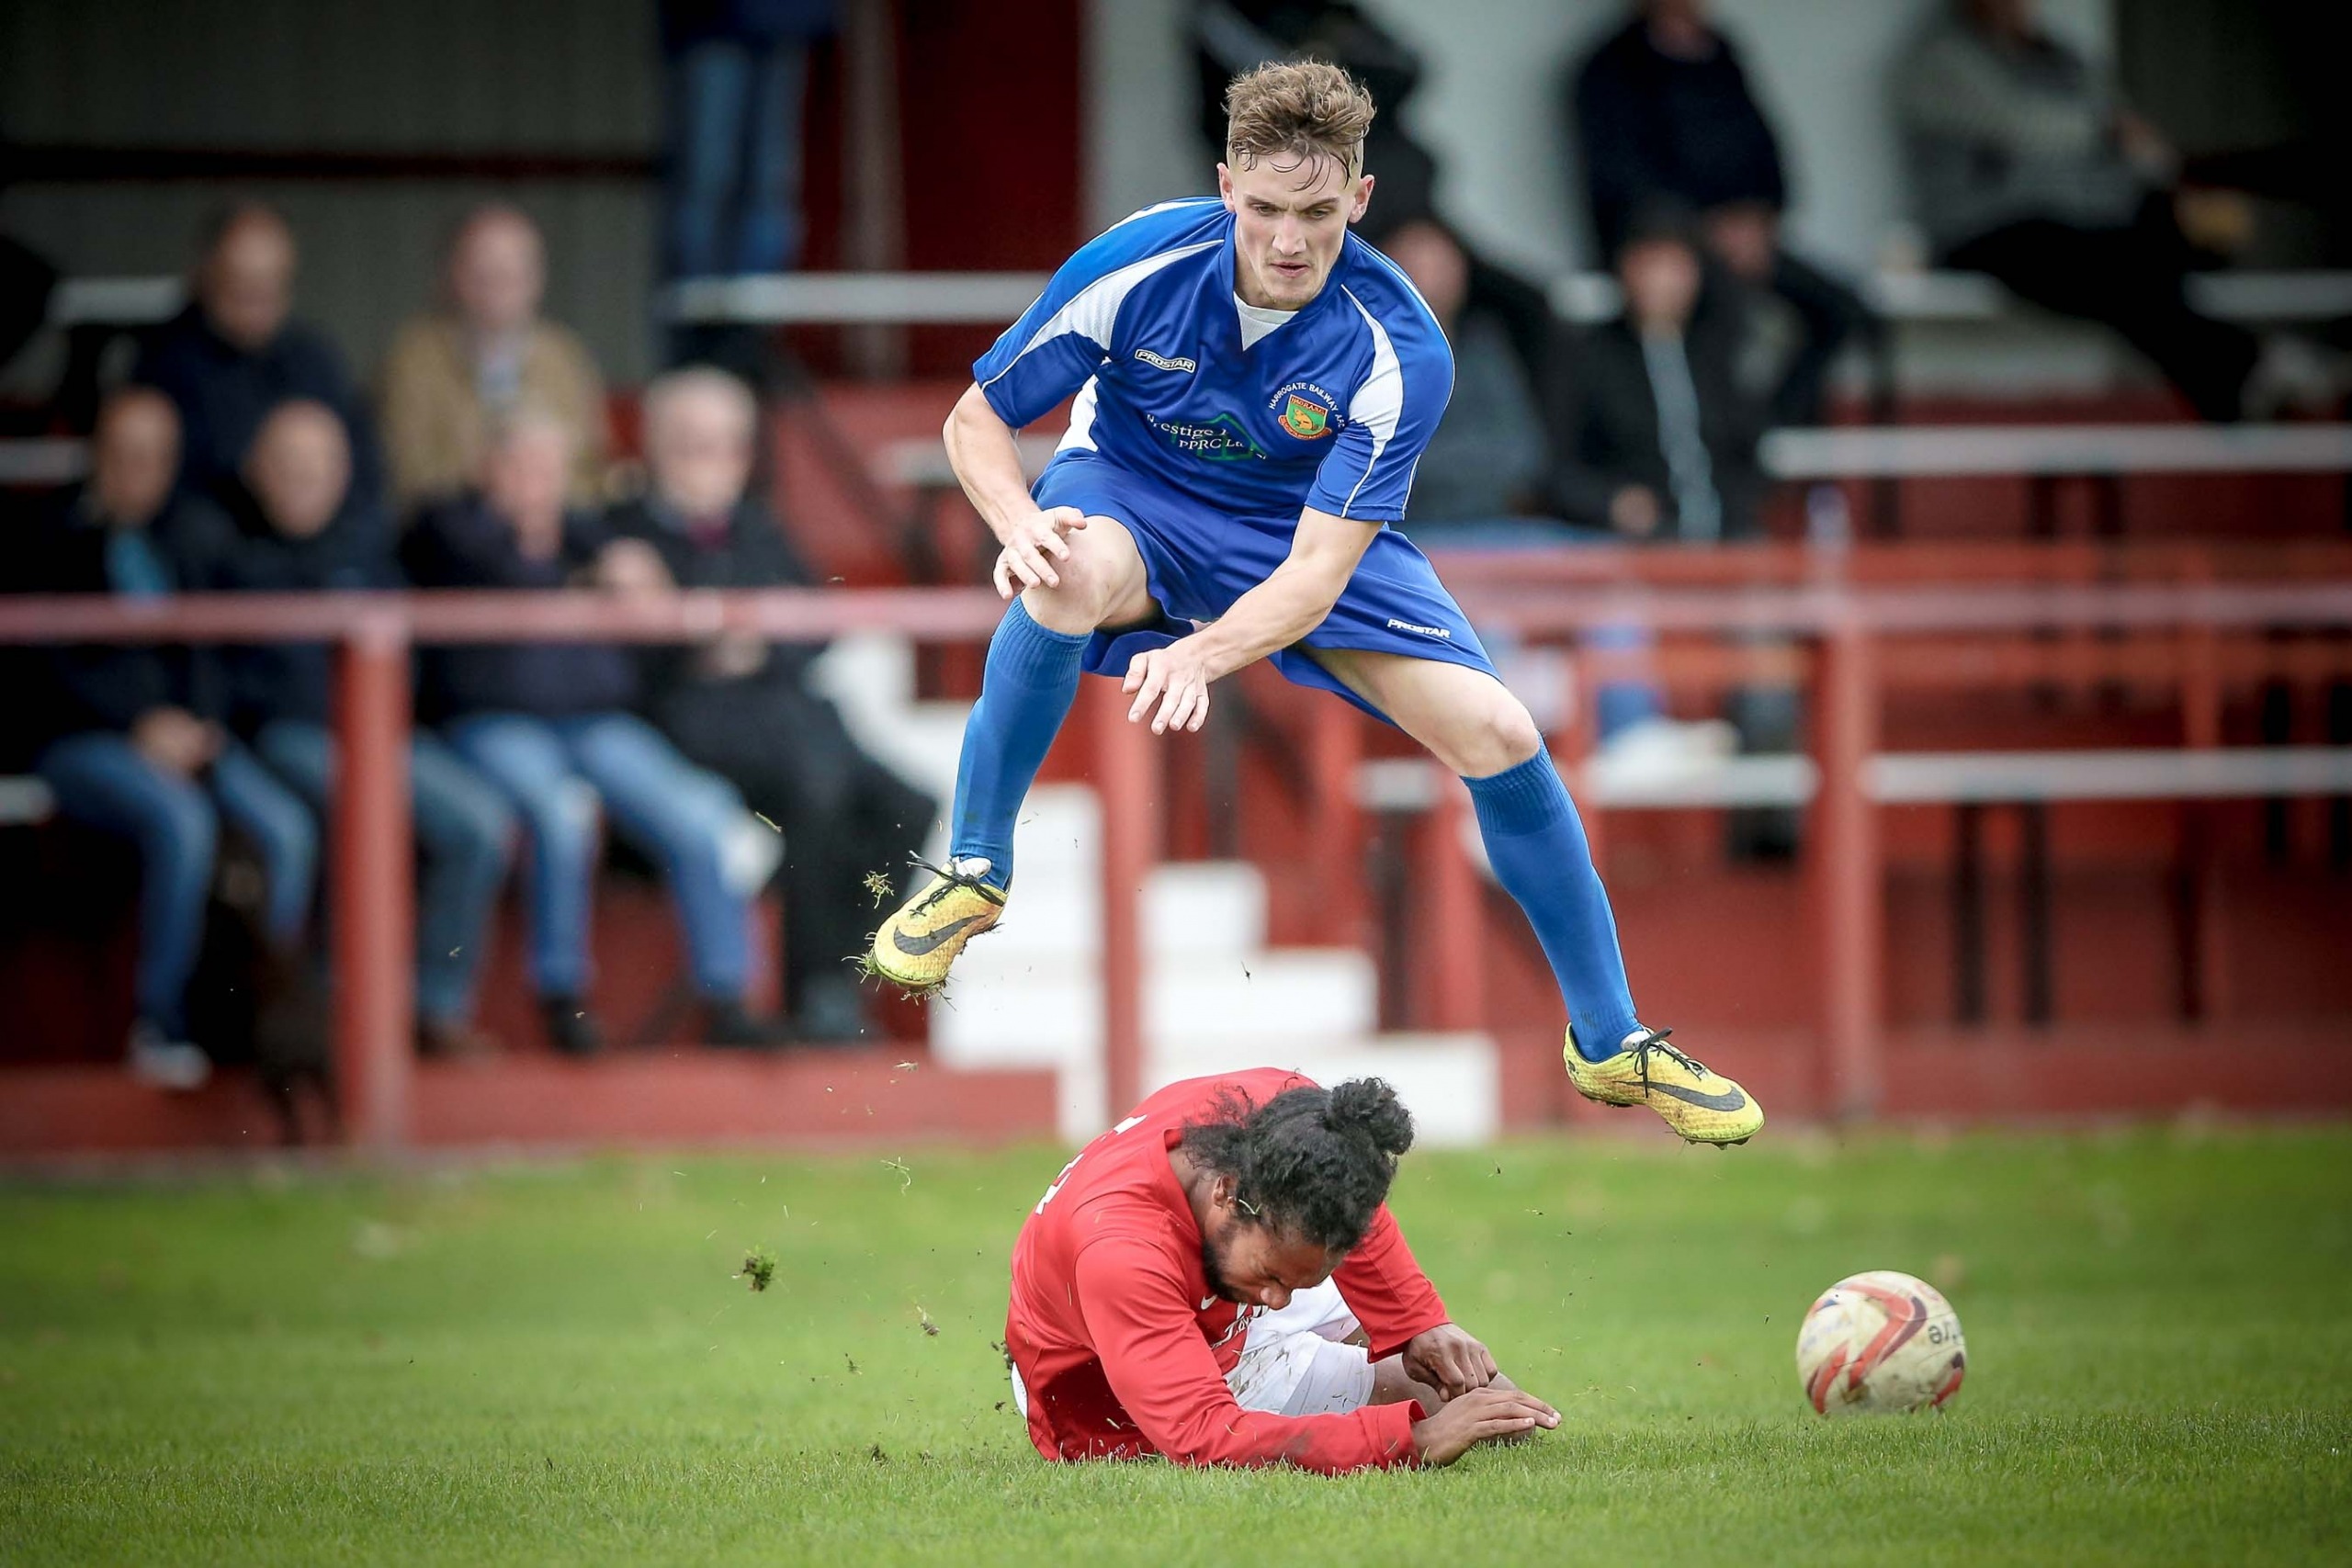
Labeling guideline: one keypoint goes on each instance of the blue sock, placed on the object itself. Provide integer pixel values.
(1025, 693)
(1539, 856)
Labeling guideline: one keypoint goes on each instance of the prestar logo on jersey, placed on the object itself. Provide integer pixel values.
(1160, 362)
(1303, 410)
(1222, 440)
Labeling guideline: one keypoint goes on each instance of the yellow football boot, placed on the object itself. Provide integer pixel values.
(918, 945)
(1703, 1107)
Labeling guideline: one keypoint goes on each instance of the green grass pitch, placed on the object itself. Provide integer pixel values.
(553, 1362)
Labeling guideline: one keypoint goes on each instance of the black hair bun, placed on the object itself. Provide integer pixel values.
(1369, 1106)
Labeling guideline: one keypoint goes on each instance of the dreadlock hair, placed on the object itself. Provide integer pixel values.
(1313, 1163)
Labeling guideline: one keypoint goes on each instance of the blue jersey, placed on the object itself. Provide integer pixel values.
(1331, 410)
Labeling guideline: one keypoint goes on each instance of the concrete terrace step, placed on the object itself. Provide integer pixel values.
(1014, 1009)
(1452, 1083)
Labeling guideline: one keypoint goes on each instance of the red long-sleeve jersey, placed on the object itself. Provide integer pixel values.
(1123, 1347)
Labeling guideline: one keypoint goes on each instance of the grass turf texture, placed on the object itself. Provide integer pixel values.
(556, 1362)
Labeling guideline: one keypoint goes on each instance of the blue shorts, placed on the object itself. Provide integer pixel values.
(1199, 561)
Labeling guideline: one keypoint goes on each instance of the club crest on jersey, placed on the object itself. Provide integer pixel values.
(1303, 410)
(1161, 362)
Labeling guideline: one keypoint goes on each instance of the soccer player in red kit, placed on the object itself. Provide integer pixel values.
(1217, 1280)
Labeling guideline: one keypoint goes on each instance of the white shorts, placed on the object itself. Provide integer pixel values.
(1295, 1362)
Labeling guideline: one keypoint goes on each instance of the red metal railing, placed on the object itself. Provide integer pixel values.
(1850, 626)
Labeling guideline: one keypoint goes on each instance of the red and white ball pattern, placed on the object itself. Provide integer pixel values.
(1881, 1343)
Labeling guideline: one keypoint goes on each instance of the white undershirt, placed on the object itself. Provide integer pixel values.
(1257, 322)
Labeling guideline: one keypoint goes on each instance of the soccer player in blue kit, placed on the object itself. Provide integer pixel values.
(1253, 385)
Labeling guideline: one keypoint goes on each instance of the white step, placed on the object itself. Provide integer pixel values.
(1210, 908)
(1010, 1008)
(1452, 1083)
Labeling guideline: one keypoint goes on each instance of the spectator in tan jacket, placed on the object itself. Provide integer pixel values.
(451, 372)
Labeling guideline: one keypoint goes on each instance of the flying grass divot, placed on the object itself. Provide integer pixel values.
(758, 1270)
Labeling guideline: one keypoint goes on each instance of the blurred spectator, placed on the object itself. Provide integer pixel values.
(128, 738)
(1663, 112)
(738, 73)
(1662, 440)
(235, 353)
(2025, 165)
(1229, 36)
(739, 707)
(300, 526)
(1491, 456)
(550, 724)
(450, 372)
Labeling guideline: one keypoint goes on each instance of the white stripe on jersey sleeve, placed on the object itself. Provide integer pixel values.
(1093, 310)
(1379, 403)
(1079, 437)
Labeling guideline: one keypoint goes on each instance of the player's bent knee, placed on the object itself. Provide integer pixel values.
(1500, 737)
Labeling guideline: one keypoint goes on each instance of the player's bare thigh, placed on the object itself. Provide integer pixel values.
(1468, 720)
(1103, 582)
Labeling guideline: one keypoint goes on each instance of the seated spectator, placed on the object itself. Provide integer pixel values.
(452, 371)
(738, 705)
(299, 526)
(1661, 440)
(2025, 165)
(1490, 459)
(550, 724)
(129, 742)
(235, 353)
(1663, 113)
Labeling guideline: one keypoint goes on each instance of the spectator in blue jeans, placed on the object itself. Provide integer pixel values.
(738, 72)
(550, 725)
(129, 745)
(299, 528)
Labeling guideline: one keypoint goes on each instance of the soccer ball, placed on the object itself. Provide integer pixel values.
(1879, 1342)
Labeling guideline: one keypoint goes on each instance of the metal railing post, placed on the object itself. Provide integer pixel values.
(372, 876)
(1848, 887)
(1125, 783)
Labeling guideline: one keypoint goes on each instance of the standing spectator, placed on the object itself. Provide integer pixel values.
(131, 745)
(2025, 165)
(549, 724)
(738, 73)
(235, 353)
(1663, 112)
(452, 371)
(300, 527)
(738, 706)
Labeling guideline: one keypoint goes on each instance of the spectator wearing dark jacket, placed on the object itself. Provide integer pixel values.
(127, 736)
(1664, 113)
(236, 352)
(737, 704)
(299, 527)
(1490, 459)
(1661, 441)
(550, 725)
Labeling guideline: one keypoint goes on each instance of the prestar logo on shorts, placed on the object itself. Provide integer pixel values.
(1397, 626)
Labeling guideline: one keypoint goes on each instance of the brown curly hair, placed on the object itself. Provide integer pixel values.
(1305, 110)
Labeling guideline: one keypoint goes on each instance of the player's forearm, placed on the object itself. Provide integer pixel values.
(1290, 604)
(986, 456)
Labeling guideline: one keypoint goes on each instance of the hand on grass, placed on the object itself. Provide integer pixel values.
(1032, 544)
(1449, 1361)
(1178, 676)
(1482, 1415)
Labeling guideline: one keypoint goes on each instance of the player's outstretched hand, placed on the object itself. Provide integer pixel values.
(1177, 677)
(1448, 1359)
(1482, 1415)
(1032, 545)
